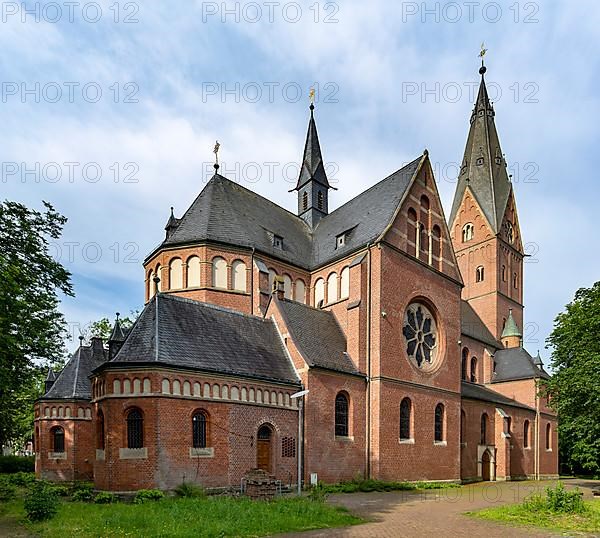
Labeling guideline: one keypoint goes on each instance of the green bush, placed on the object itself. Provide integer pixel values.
(7, 491)
(318, 493)
(82, 495)
(61, 491)
(557, 500)
(144, 495)
(104, 497)
(21, 479)
(41, 502)
(187, 489)
(16, 464)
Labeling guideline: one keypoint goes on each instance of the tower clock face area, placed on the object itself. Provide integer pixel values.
(421, 336)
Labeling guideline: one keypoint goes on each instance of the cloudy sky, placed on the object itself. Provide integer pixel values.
(110, 111)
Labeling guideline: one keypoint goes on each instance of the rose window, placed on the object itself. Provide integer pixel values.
(420, 333)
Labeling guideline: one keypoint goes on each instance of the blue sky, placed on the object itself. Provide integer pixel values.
(143, 102)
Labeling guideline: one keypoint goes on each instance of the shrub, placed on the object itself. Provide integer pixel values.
(82, 491)
(21, 479)
(17, 464)
(61, 491)
(7, 491)
(144, 495)
(41, 502)
(104, 497)
(557, 500)
(186, 489)
(318, 493)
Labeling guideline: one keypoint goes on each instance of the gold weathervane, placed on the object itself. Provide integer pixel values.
(216, 151)
(482, 51)
(311, 96)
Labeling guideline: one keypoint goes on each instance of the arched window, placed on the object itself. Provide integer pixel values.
(219, 273)
(548, 437)
(332, 285)
(100, 430)
(526, 434)
(150, 284)
(504, 273)
(467, 232)
(474, 370)
(199, 430)
(423, 242)
(345, 283)
(411, 231)
(436, 246)
(135, 429)
(484, 424)
(439, 423)
(405, 409)
(58, 439)
(159, 275)
(463, 423)
(515, 281)
(272, 277)
(176, 274)
(319, 292)
(300, 291)
(238, 275)
(479, 274)
(193, 272)
(463, 367)
(341, 415)
(304, 201)
(287, 286)
(320, 200)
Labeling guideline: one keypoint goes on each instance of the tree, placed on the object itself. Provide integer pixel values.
(574, 389)
(103, 327)
(31, 327)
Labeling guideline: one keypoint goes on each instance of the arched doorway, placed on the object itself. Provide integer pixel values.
(263, 447)
(486, 466)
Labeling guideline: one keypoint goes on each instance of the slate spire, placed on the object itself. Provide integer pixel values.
(50, 379)
(483, 167)
(172, 225)
(312, 185)
(117, 337)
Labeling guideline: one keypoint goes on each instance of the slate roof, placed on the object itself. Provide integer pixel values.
(473, 326)
(317, 335)
(205, 337)
(516, 363)
(488, 181)
(229, 213)
(473, 391)
(73, 381)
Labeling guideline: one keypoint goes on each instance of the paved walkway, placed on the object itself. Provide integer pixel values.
(436, 513)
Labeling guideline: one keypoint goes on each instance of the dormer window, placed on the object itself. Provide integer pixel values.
(278, 242)
(340, 240)
(479, 161)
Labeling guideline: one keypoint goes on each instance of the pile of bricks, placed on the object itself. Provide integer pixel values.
(260, 485)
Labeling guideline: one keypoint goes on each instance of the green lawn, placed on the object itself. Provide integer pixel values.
(519, 514)
(186, 517)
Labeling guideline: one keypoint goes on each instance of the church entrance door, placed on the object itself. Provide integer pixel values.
(486, 466)
(263, 448)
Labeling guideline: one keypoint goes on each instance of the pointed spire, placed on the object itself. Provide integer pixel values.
(172, 224)
(117, 337)
(537, 360)
(312, 168)
(510, 327)
(50, 379)
(483, 167)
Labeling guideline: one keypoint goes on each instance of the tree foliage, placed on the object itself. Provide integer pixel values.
(31, 327)
(103, 327)
(575, 386)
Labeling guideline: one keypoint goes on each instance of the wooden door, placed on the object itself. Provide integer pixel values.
(485, 466)
(263, 448)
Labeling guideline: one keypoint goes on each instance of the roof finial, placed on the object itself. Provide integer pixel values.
(481, 54)
(216, 152)
(118, 314)
(81, 339)
(156, 281)
(311, 97)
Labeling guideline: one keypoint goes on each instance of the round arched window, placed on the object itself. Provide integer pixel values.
(421, 335)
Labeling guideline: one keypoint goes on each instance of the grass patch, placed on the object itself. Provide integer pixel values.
(380, 485)
(184, 517)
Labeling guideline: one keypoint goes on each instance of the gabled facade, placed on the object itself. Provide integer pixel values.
(376, 312)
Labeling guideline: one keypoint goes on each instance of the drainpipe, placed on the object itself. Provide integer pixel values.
(368, 402)
(252, 282)
(536, 458)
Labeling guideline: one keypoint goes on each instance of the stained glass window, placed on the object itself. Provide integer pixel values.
(135, 429)
(420, 333)
(341, 415)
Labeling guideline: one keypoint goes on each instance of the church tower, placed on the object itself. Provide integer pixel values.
(312, 185)
(485, 228)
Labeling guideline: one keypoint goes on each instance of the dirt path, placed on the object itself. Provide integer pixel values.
(437, 514)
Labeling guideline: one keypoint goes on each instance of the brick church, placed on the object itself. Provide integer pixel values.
(375, 340)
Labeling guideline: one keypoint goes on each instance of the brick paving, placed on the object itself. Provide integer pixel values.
(436, 513)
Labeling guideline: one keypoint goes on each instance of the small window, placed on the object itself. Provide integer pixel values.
(439, 423)
(464, 363)
(58, 439)
(100, 430)
(507, 425)
(320, 200)
(526, 434)
(548, 437)
(304, 201)
(288, 447)
(467, 232)
(135, 429)
(474, 370)
(479, 160)
(479, 274)
(504, 273)
(405, 408)
(515, 281)
(278, 241)
(199, 430)
(340, 240)
(341, 415)
(484, 423)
